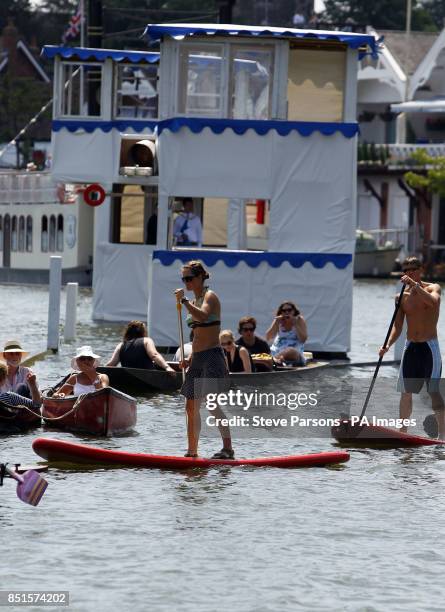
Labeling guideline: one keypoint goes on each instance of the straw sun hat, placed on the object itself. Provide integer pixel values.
(14, 346)
(84, 351)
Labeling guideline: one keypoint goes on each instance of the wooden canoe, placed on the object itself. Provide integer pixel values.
(16, 419)
(138, 380)
(104, 413)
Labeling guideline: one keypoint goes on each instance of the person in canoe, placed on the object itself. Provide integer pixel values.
(254, 344)
(16, 379)
(207, 368)
(86, 379)
(12, 399)
(421, 361)
(238, 358)
(137, 350)
(288, 333)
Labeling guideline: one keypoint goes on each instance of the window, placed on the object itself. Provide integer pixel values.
(52, 233)
(29, 234)
(316, 84)
(60, 233)
(200, 80)
(79, 81)
(251, 72)
(226, 80)
(44, 234)
(134, 218)
(14, 234)
(136, 91)
(1, 233)
(21, 233)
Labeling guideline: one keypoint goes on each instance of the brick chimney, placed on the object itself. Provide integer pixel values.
(10, 37)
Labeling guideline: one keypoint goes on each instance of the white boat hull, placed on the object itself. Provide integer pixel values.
(375, 263)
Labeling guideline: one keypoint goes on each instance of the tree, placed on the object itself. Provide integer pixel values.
(21, 13)
(20, 100)
(380, 14)
(436, 8)
(430, 175)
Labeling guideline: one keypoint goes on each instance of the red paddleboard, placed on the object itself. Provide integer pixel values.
(375, 435)
(60, 451)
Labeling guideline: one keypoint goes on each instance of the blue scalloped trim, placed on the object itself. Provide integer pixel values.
(253, 260)
(155, 32)
(261, 127)
(239, 126)
(105, 126)
(84, 53)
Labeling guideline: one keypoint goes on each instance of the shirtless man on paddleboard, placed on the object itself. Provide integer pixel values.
(421, 360)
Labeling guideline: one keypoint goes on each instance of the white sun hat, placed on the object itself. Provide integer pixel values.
(84, 351)
(14, 346)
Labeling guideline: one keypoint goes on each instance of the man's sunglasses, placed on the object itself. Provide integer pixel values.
(410, 269)
(243, 329)
(187, 279)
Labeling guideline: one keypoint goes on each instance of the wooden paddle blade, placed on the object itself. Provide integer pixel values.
(31, 488)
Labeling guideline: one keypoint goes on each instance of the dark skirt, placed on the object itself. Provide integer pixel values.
(207, 374)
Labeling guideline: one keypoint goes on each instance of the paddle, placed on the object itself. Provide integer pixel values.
(371, 387)
(181, 336)
(31, 486)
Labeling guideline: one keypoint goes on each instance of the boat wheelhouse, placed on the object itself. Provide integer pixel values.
(227, 115)
(38, 219)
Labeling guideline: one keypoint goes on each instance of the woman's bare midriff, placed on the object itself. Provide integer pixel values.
(205, 338)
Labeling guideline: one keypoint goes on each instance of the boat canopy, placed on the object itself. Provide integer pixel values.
(436, 105)
(154, 33)
(83, 53)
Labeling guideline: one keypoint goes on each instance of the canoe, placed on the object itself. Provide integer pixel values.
(15, 419)
(105, 412)
(139, 380)
(377, 436)
(58, 451)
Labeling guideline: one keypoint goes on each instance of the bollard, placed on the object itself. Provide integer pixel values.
(55, 284)
(69, 332)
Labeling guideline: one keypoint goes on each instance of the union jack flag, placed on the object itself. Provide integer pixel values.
(74, 25)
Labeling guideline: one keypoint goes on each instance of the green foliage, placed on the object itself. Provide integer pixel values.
(381, 14)
(431, 174)
(20, 99)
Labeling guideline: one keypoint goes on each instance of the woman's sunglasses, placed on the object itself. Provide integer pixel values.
(187, 279)
(287, 310)
(228, 343)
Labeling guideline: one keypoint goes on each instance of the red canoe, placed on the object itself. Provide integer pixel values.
(59, 451)
(374, 435)
(104, 412)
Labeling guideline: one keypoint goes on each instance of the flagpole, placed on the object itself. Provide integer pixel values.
(82, 23)
(82, 44)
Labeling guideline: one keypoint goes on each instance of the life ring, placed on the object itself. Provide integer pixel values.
(94, 195)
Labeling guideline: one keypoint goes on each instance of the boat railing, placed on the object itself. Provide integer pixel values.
(32, 188)
(406, 238)
(395, 154)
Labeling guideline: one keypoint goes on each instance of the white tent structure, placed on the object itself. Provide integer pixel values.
(243, 113)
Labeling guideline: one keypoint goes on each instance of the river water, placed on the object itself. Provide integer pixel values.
(365, 536)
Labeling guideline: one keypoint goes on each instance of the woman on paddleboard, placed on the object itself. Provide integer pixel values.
(207, 368)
